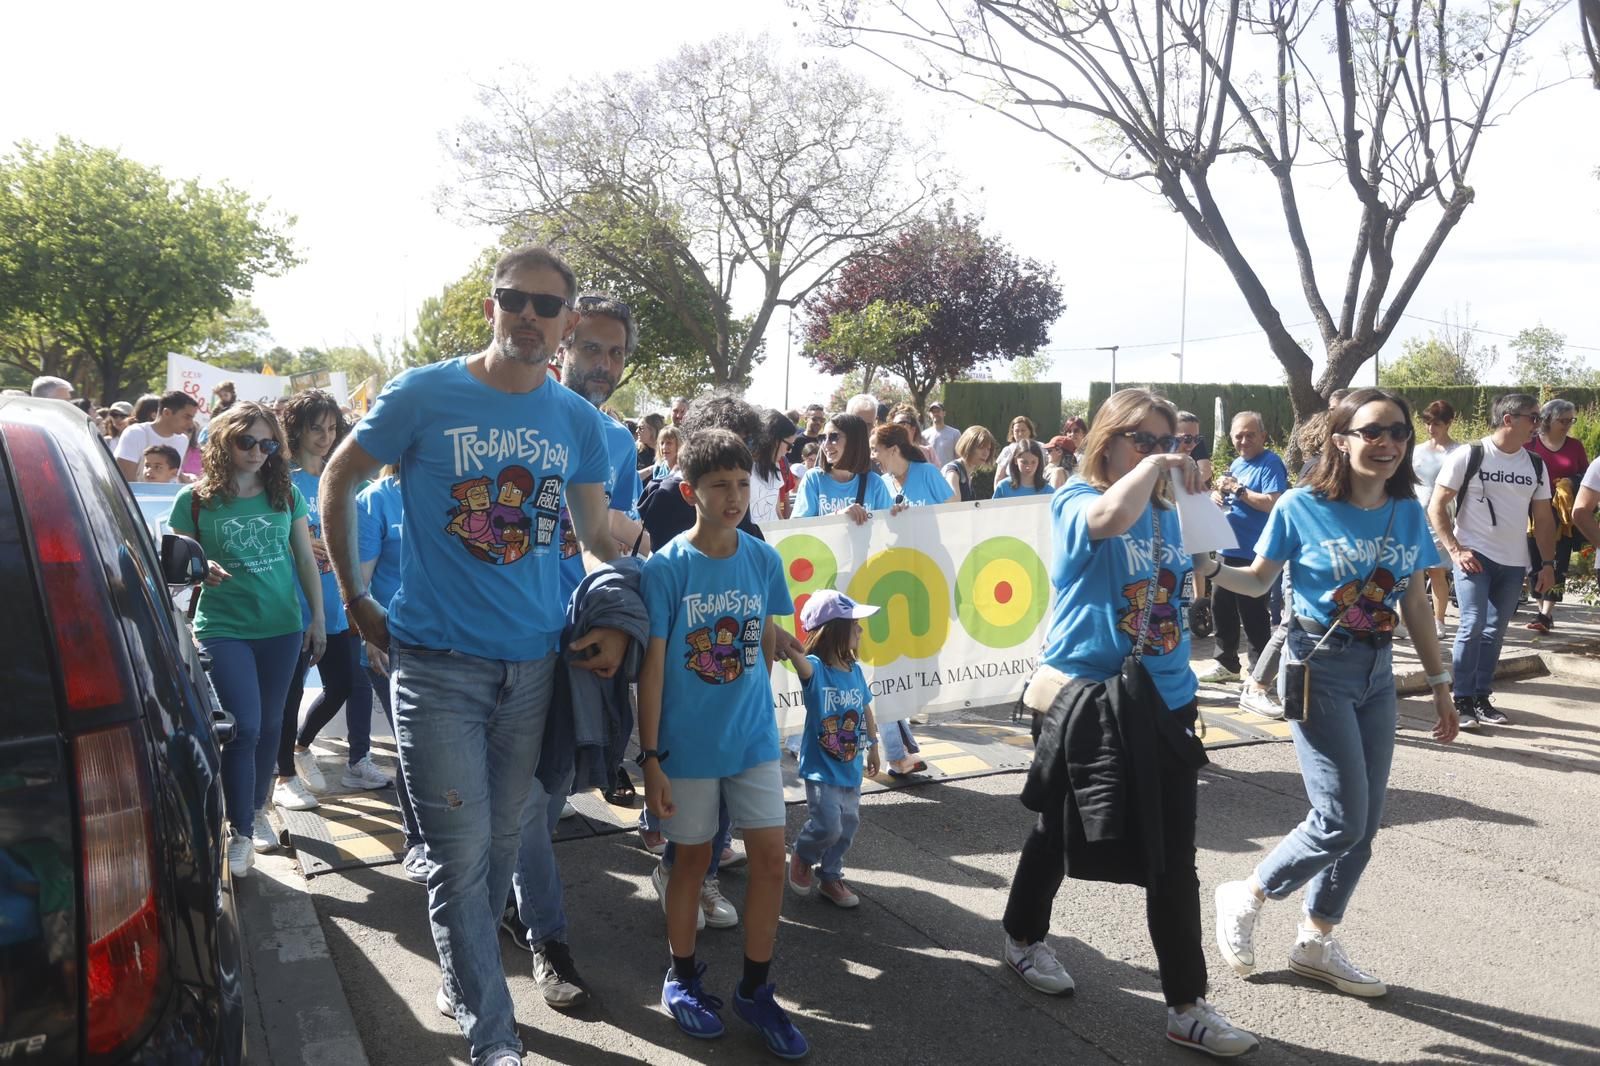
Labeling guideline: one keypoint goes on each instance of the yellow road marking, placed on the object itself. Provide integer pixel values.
(962, 764)
(939, 748)
(370, 847)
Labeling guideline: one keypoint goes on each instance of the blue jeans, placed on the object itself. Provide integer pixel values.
(408, 817)
(1487, 601)
(897, 741)
(469, 732)
(1345, 746)
(537, 881)
(252, 679)
(834, 815)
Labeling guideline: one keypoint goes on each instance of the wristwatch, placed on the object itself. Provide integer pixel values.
(1441, 678)
(650, 753)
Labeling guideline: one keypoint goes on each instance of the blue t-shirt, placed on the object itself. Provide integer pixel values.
(483, 477)
(622, 491)
(1100, 589)
(332, 602)
(834, 743)
(378, 524)
(1264, 473)
(924, 486)
(1331, 546)
(1004, 488)
(820, 494)
(716, 693)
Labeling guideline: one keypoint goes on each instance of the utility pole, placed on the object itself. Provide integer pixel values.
(788, 355)
(1179, 357)
(1112, 348)
(1183, 306)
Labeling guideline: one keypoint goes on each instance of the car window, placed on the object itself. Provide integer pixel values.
(30, 699)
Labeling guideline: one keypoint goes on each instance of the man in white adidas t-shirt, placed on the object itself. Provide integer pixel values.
(174, 420)
(1487, 542)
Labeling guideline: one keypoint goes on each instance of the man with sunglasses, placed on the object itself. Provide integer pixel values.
(1500, 484)
(1248, 491)
(489, 450)
(593, 359)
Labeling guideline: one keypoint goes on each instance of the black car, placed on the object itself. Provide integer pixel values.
(119, 941)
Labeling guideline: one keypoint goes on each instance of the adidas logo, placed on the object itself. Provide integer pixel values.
(1506, 477)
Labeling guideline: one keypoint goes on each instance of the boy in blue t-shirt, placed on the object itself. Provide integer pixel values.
(707, 732)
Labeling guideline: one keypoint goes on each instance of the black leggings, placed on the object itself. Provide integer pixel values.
(1230, 609)
(1172, 904)
(344, 684)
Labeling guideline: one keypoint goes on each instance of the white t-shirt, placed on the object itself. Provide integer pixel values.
(1591, 477)
(1492, 516)
(764, 498)
(141, 435)
(943, 443)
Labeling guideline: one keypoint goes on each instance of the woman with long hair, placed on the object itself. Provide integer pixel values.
(314, 425)
(768, 502)
(1356, 543)
(1427, 459)
(1020, 429)
(844, 475)
(1117, 571)
(649, 430)
(1565, 461)
(974, 451)
(1063, 460)
(668, 443)
(251, 520)
(1024, 472)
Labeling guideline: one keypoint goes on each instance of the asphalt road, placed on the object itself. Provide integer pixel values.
(1480, 909)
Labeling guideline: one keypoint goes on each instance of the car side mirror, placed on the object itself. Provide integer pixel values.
(183, 561)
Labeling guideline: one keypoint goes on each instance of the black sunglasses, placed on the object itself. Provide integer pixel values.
(832, 438)
(1186, 439)
(1146, 443)
(244, 442)
(512, 301)
(1399, 432)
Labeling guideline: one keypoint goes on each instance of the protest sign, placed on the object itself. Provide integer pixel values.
(198, 379)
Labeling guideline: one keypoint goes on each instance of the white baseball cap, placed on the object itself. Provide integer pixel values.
(830, 604)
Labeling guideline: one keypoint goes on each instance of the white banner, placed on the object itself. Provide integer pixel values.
(964, 590)
(198, 379)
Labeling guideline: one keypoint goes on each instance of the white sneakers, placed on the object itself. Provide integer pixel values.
(1038, 966)
(1320, 956)
(1207, 1029)
(1237, 909)
(262, 836)
(241, 855)
(1259, 701)
(717, 911)
(293, 795)
(363, 775)
(305, 767)
(658, 881)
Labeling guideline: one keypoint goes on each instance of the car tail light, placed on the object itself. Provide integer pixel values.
(69, 572)
(125, 971)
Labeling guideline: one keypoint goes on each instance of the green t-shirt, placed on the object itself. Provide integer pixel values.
(250, 541)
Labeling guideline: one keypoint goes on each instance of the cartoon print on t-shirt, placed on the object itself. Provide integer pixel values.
(720, 653)
(841, 735)
(498, 528)
(470, 520)
(1164, 628)
(1362, 607)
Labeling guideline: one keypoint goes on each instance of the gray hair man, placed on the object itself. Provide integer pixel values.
(46, 387)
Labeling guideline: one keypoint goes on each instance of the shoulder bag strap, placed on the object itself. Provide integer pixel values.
(861, 486)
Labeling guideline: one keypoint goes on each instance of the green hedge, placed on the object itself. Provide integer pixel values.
(993, 404)
(1470, 401)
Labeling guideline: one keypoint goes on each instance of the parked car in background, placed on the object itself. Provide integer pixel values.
(119, 941)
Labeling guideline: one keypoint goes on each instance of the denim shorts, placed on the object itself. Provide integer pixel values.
(754, 798)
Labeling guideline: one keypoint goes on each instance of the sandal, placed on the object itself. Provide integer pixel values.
(920, 767)
(622, 793)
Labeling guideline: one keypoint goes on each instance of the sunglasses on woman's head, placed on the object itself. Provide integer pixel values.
(1148, 443)
(512, 301)
(244, 442)
(1399, 432)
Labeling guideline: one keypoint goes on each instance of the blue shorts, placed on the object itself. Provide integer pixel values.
(754, 798)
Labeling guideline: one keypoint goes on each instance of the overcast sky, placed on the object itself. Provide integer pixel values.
(334, 113)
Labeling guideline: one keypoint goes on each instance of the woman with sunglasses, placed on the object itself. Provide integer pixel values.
(1356, 543)
(1565, 459)
(1116, 578)
(843, 476)
(1024, 473)
(1427, 458)
(251, 521)
(314, 425)
(1063, 460)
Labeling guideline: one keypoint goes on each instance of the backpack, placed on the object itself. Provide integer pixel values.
(1475, 463)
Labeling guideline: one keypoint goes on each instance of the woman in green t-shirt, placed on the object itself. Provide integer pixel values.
(251, 521)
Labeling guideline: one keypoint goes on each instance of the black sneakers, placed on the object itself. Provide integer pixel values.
(511, 922)
(1467, 713)
(1487, 714)
(557, 977)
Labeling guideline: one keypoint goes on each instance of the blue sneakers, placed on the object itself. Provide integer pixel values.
(693, 1010)
(762, 1011)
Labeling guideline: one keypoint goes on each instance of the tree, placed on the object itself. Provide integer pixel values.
(1450, 356)
(452, 323)
(871, 337)
(1542, 358)
(232, 339)
(852, 384)
(1170, 96)
(983, 302)
(1030, 368)
(121, 264)
(721, 172)
(1589, 24)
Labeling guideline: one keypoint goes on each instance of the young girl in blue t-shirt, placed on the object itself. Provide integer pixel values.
(839, 728)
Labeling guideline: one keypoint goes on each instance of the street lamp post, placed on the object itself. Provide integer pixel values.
(1179, 357)
(1112, 348)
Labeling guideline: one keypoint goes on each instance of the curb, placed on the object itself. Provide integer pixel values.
(1511, 668)
(290, 977)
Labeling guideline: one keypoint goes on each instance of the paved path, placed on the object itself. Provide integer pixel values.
(1480, 909)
